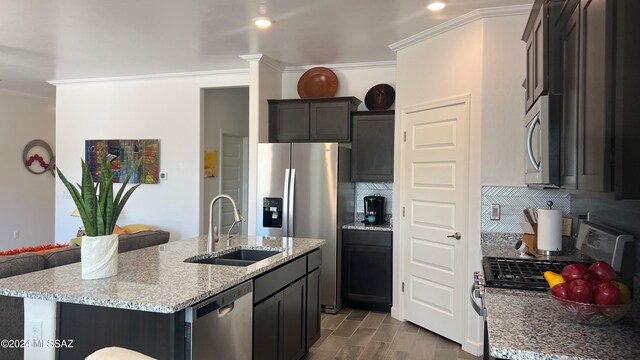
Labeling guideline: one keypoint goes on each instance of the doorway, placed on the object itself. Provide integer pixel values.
(224, 153)
(234, 168)
(435, 162)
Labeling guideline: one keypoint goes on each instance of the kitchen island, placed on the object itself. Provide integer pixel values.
(523, 324)
(153, 284)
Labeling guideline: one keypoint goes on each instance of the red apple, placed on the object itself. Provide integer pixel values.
(602, 271)
(594, 283)
(573, 272)
(580, 291)
(561, 291)
(607, 294)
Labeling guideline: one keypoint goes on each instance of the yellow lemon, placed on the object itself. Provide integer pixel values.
(553, 278)
(625, 292)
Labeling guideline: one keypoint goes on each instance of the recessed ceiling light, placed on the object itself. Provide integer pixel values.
(262, 22)
(435, 5)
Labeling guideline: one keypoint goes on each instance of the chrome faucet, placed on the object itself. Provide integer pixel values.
(215, 234)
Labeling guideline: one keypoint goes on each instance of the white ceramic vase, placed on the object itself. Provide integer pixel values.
(99, 256)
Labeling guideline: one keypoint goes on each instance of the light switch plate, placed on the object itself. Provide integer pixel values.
(495, 212)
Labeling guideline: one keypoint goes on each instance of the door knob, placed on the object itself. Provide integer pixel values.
(456, 236)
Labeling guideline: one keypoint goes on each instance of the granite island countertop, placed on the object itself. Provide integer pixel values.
(358, 225)
(523, 325)
(156, 279)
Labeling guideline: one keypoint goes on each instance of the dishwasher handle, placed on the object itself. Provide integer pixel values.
(222, 303)
(226, 309)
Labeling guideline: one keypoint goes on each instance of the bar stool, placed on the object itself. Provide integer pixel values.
(117, 353)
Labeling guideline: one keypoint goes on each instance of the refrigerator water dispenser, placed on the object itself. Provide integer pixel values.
(272, 212)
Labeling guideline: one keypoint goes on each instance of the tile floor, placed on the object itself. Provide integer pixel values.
(366, 335)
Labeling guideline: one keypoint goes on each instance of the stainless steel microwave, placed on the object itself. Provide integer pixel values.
(542, 142)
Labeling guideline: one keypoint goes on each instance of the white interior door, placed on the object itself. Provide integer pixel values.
(232, 180)
(434, 200)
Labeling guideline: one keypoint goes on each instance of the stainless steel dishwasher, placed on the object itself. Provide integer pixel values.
(221, 326)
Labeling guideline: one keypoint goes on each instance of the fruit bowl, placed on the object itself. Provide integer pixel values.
(589, 314)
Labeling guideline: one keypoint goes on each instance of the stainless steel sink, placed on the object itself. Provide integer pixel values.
(241, 257)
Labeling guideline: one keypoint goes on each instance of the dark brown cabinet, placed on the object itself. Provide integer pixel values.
(366, 269)
(536, 38)
(542, 51)
(311, 120)
(372, 150)
(286, 312)
(587, 120)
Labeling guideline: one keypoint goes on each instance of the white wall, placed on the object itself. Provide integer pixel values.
(225, 109)
(444, 66)
(265, 83)
(485, 59)
(27, 199)
(503, 71)
(355, 81)
(167, 109)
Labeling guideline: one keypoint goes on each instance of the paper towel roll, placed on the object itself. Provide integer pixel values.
(549, 230)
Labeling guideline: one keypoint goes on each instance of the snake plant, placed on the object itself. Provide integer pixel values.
(97, 206)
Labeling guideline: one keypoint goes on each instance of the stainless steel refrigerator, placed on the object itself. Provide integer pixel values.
(305, 190)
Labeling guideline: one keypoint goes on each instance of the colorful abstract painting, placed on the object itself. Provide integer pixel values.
(123, 154)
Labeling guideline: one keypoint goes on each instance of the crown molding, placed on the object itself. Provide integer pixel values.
(151, 76)
(264, 59)
(346, 66)
(461, 21)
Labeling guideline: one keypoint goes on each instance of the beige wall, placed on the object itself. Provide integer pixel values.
(167, 109)
(503, 71)
(27, 202)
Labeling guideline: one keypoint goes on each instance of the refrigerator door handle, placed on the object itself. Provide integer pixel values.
(292, 192)
(285, 203)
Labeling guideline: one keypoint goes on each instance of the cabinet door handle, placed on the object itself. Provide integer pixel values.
(456, 236)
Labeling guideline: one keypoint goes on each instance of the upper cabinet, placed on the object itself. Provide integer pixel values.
(372, 150)
(589, 57)
(311, 120)
(587, 53)
(541, 50)
(535, 36)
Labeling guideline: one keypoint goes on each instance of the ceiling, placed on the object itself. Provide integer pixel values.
(44, 40)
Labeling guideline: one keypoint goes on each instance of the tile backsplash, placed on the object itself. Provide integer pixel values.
(366, 189)
(513, 200)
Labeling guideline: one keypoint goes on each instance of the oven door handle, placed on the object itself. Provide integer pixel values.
(477, 307)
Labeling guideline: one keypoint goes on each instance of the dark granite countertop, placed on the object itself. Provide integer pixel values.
(524, 325)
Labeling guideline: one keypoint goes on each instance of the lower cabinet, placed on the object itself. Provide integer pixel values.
(366, 269)
(286, 322)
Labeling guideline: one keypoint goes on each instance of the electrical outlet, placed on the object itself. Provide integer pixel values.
(163, 175)
(35, 330)
(16, 235)
(495, 212)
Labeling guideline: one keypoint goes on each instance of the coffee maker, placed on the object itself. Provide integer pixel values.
(373, 210)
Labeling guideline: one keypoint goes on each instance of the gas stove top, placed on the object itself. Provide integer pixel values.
(519, 274)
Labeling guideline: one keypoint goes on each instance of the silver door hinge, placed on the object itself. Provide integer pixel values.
(403, 211)
(405, 136)
(403, 286)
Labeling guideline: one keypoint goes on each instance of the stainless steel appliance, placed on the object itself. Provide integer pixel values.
(595, 242)
(304, 190)
(221, 324)
(542, 142)
(374, 210)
